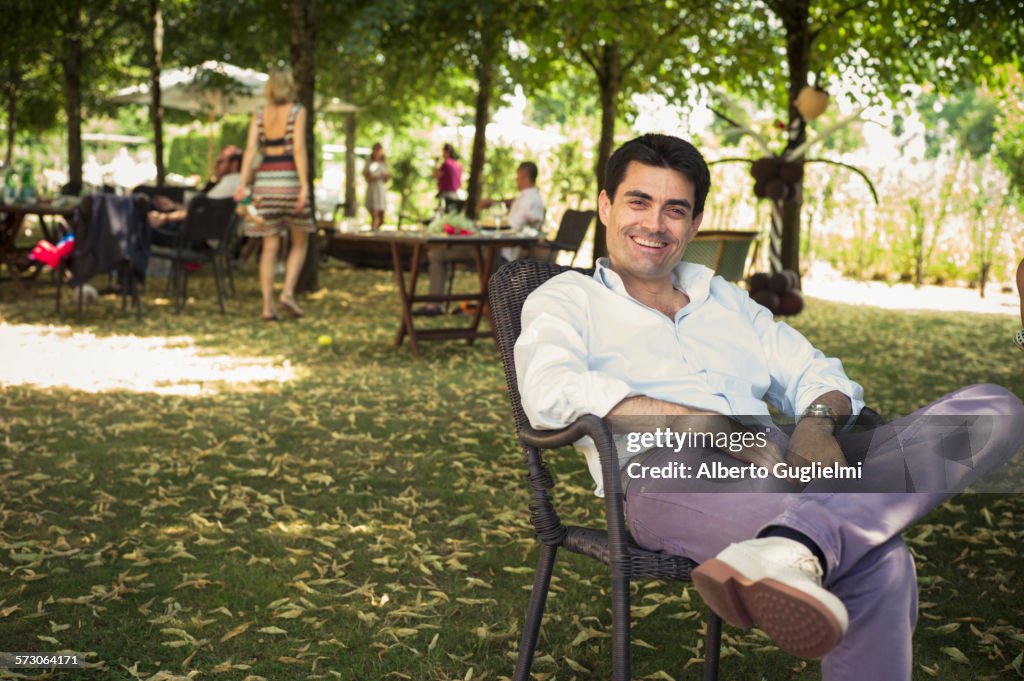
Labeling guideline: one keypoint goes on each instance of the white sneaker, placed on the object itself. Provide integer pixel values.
(774, 583)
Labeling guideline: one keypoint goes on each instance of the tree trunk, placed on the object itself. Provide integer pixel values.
(156, 114)
(350, 165)
(302, 44)
(12, 126)
(485, 86)
(71, 60)
(795, 17)
(609, 78)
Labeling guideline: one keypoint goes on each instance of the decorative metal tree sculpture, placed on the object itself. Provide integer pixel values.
(778, 176)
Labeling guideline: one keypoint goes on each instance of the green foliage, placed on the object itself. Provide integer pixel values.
(187, 154)
(572, 180)
(500, 172)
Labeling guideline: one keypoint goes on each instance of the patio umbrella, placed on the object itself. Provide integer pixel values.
(215, 88)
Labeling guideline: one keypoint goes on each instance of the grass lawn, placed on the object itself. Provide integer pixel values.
(366, 518)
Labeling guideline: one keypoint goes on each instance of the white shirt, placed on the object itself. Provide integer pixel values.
(586, 345)
(527, 209)
(225, 187)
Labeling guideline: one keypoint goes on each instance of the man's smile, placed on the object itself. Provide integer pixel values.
(649, 243)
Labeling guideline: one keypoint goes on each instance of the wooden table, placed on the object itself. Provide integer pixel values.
(484, 247)
(12, 216)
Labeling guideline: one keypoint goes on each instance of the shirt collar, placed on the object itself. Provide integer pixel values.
(692, 279)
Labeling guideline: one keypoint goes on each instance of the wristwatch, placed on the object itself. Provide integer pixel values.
(818, 409)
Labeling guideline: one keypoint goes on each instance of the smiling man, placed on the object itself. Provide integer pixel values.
(647, 335)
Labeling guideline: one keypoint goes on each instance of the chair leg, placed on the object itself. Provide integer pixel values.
(712, 646)
(621, 665)
(229, 268)
(535, 613)
(218, 283)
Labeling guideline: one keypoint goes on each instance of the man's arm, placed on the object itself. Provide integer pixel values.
(813, 439)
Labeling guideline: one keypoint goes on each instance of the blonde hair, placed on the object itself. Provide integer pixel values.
(280, 87)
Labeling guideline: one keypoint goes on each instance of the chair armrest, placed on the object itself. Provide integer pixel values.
(596, 428)
(550, 439)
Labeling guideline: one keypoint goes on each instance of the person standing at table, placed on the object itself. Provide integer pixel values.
(280, 188)
(377, 173)
(526, 210)
(448, 175)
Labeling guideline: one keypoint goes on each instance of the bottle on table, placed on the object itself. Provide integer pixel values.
(28, 185)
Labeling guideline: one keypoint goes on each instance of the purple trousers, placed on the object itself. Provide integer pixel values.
(868, 566)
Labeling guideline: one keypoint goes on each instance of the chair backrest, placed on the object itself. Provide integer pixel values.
(209, 219)
(508, 289)
(723, 251)
(176, 194)
(573, 228)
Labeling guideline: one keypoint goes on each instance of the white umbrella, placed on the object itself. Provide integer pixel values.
(215, 88)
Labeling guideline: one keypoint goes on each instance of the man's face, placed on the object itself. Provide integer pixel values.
(522, 180)
(222, 166)
(650, 222)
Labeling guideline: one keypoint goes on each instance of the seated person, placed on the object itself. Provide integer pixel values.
(168, 219)
(525, 210)
(648, 335)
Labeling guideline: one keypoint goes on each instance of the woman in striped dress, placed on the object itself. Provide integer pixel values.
(280, 188)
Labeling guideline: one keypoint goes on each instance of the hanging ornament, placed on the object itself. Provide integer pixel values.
(811, 102)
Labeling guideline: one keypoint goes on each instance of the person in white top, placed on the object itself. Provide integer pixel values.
(377, 173)
(823, 574)
(526, 210)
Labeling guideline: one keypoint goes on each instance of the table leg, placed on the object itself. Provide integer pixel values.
(484, 264)
(406, 294)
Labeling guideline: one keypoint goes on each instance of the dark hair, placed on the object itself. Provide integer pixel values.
(530, 168)
(450, 150)
(661, 151)
(235, 157)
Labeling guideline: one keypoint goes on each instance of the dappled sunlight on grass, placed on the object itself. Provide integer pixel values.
(57, 356)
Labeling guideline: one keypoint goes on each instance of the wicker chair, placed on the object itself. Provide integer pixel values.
(612, 546)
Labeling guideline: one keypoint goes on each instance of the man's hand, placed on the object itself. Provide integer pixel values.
(813, 440)
(764, 457)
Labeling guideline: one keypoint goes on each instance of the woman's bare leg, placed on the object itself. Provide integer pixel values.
(268, 260)
(293, 266)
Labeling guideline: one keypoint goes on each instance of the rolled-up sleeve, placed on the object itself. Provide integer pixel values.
(556, 384)
(800, 373)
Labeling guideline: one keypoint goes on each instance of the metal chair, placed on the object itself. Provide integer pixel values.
(571, 231)
(121, 248)
(207, 220)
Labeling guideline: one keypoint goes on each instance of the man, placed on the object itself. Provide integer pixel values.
(647, 335)
(525, 210)
(169, 218)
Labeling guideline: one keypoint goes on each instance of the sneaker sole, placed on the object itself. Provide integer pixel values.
(794, 620)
